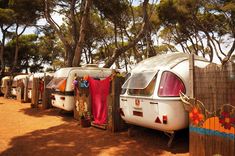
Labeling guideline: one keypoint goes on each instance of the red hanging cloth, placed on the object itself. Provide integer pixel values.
(99, 90)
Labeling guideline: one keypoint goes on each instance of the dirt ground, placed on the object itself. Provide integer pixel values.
(26, 131)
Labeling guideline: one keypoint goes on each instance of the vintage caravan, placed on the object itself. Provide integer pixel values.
(4, 84)
(18, 81)
(62, 84)
(150, 95)
(41, 77)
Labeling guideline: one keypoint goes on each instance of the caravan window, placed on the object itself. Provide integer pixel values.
(171, 85)
(58, 83)
(148, 91)
(126, 78)
(141, 84)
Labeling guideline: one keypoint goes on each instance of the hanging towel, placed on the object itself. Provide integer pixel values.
(99, 90)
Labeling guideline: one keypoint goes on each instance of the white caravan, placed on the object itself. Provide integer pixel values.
(150, 96)
(4, 81)
(30, 83)
(62, 84)
(18, 81)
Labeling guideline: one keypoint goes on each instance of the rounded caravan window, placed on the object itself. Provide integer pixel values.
(141, 84)
(170, 85)
(57, 83)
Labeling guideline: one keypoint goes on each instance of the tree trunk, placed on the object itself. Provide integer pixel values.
(3, 48)
(70, 55)
(79, 47)
(73, 22)
(1, 58)
(17, 47)
(69, 47)
(16, 54)
(150, 48)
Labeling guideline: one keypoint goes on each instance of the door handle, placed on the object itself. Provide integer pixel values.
(124, 99)
(153, 103)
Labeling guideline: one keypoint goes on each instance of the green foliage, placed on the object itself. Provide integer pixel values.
(32, 53)
(15, 17)
(114, 10)
(28, 49)
(98, 29)
(27, 11)
(6, 15)
(198, 25)
(20, 11)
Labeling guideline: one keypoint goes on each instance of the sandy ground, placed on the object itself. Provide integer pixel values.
(26, 131)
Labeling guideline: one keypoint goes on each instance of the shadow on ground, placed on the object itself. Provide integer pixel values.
(39, 112)
(180, 143)
(70, 139)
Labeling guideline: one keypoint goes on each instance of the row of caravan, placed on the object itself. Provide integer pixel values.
(150, 94)
(20, 81)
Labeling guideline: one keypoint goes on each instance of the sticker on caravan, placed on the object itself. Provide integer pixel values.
(137, 102)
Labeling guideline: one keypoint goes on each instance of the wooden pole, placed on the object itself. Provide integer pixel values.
(46, 100)
(18, 93)
(110, 103)
(115, 122)
(191, 75)
(7, 89)
(35, 92)
(192, 137)
(26, 98)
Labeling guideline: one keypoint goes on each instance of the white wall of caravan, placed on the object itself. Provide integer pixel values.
(15, 79)
(177, 117)
(66, 104)
(4, 83)
(36, 75)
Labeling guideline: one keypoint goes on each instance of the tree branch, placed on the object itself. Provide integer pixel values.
(131, 44)
(53, 24)
(57, 29)
(231, 51)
